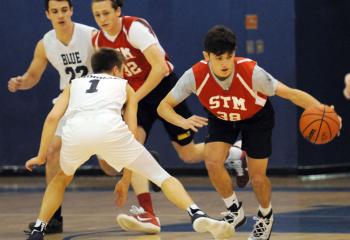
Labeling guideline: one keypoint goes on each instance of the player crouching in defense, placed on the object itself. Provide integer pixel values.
(93, 106)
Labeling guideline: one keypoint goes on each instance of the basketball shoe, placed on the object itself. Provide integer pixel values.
(139, 221)
(37, 233)
(238, 168)
(201, 223)
(235, 215)
(55, 225)
(262, 228)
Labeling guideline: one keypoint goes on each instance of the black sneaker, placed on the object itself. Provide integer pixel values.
(235, 216)
(37, 233)
(155, 187)
(239, 169)
(201, 223)
(262, 228)
(54, 226)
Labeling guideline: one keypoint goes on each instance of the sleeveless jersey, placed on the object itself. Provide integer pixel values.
(237, 103)
(97, 92)
(137, 68)
(74, 60)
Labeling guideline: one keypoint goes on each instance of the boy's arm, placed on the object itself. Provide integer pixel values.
(49, 129)
(33, 74)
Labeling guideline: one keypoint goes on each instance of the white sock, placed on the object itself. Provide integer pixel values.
(39, 222)
(230, 200)
(265, 211)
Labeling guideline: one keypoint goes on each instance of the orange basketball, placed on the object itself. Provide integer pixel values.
(319, 125)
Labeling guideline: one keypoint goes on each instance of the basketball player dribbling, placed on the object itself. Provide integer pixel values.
(235, 92)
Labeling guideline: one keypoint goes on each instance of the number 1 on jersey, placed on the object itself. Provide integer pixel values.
(93, 86)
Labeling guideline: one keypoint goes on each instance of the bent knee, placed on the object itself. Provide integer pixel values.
(186, 156)
(257, 180)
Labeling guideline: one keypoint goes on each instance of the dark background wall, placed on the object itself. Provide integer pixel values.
(289, 43)
(323, 50)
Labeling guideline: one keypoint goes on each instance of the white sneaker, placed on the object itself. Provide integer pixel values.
(139, 221)
(219, 229)
(262, 227)
(235, 215)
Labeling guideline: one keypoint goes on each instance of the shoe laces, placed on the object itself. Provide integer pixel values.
(137, 210)
(229, 214)
(260, 228)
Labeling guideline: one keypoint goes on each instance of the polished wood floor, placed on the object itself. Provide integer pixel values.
(304, 209)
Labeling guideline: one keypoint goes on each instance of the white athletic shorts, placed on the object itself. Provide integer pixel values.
(60, 125)
(104, 134)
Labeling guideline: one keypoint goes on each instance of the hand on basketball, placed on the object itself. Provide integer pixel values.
(340, 121)
(14, 84)
(346, 90)
(121, 193)
(34, 161)
(194, 122)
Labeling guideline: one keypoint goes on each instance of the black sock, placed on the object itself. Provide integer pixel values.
(58, 214)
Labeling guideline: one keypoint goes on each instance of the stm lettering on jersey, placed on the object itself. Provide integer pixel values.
(231, 102)
(126, 53)
(71, 58)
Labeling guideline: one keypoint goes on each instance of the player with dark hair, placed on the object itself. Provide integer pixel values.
(150, 73)
(93, 106)
(235, 93)
(68, 48)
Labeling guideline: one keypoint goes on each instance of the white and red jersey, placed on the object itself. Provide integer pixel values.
(137, 67)
(239, 101)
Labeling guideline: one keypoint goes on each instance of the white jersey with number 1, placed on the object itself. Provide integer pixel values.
(72, 60)
(94, 124)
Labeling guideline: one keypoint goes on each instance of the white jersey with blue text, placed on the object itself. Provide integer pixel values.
(72, 60)
(94, 124)
(97, 92)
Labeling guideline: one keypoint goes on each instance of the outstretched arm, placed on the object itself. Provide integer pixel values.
(296, 96)
(49, 129)
(33, 74)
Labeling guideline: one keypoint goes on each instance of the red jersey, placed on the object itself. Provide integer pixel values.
(137, 67)
(237, 103)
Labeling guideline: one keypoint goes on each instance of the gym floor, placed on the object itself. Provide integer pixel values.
(304, 208)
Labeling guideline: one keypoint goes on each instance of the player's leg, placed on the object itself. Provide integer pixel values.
(262, 189)
(55, 225)
(72, 157)
(53, 159)
(221, 136)
(191, 152)
(140, 184)
(52, 200)
(175, 192)
(257, 141)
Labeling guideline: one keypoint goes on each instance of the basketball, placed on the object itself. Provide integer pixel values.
(319, 125)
